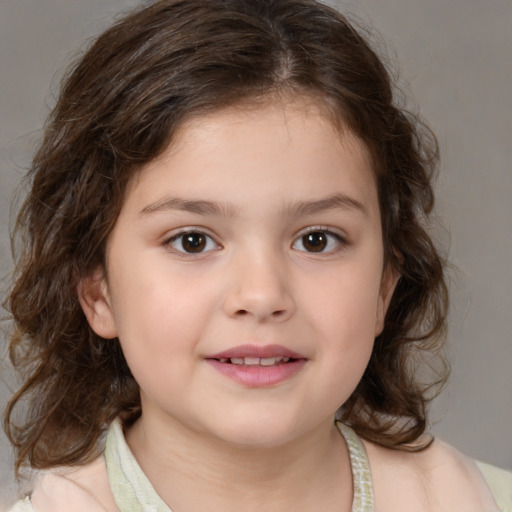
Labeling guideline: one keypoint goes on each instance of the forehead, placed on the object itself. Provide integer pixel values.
(290, 149)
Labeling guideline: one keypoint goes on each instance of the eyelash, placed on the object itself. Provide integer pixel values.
(206, 244)
(208, 241)
(331, 236)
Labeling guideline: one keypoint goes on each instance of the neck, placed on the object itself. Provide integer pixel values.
(195, 473)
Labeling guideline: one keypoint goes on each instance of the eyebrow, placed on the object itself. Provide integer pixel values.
(302, 208)
(200, 207)
(333, 202)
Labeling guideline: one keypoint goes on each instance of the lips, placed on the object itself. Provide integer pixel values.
(256, 361)
(257, 351)
(258, 366)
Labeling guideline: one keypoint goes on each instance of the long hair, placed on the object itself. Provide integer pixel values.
(118, 109)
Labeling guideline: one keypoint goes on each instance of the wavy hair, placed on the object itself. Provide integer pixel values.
(118, 109)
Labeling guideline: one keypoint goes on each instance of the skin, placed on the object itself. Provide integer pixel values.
(253, 183)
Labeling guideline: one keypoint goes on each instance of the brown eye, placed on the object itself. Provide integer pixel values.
(319, 241)
(315, 242)
(192, 242)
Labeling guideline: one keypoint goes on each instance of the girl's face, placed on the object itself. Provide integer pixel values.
(245, 275)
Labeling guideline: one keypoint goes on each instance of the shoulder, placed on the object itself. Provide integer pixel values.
(23, 505)
(81, 489)
(500, 483)
(438, 479)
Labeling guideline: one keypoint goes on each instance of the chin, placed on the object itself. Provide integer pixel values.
(257, 432)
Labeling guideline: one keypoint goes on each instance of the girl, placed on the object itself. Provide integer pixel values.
(228, 279)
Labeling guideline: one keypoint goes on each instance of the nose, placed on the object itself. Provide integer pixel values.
(260, 288)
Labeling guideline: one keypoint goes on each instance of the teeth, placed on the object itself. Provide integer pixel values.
(256, 361)
(270, 361)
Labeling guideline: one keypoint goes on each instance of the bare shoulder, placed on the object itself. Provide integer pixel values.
(439, 478)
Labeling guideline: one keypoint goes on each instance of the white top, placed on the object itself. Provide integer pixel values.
(116, 483)
(133, 492)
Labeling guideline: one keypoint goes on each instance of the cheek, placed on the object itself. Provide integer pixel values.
(342, 315)
(346, 305)
(158, 333)
(157, 312)
(348, 334)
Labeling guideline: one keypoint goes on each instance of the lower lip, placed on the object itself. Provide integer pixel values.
(258, 376)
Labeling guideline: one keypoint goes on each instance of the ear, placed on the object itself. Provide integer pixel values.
(94, 298)
(390, 278)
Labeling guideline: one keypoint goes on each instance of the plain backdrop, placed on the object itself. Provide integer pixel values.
(454, 60)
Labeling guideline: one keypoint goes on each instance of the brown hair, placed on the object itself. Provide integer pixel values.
(118, 109)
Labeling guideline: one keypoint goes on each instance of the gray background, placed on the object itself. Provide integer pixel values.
(455, 63)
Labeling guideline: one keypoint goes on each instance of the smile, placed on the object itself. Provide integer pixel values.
(256, 361)
(256, 366)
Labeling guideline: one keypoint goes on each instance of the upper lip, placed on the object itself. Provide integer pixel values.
(261, 351)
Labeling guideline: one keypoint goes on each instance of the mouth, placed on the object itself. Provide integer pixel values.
(264, 355)
(256, 366)
(256, 361)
